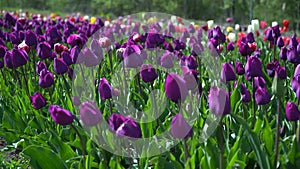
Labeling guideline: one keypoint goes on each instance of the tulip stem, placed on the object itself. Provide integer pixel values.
(274, 49)
(25, 79)
(67, 86)
(186, 153)
(49, 91)
(221, 143)
(253, 94)
(110, 61)
(17, 76)
(125, 82)
(4, 77)
(139, 81)
(277, 133)
(81, 142)
(110, 107)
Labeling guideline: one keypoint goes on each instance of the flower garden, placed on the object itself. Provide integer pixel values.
(147, 91)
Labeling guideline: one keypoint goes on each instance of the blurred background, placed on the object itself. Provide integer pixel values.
(242, 11)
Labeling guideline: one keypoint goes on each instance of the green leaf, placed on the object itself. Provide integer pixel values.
(42, 157)
(268, 137)
(261, 157)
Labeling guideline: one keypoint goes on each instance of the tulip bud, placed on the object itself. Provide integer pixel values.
(239, 68)
(228, 73)
(30, 38)
(40, 66)
(44, 50)
(262, 96)
(60, 67)
(37, 100)
(60, 115)
(148, 73)
(175, 88)
(218, 101)
(90, 115)
(292, 112)
(46, 78)
(230, 46)
(253, 67)
(105, 89)
(180, 129)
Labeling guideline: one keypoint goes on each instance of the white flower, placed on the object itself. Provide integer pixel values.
(255, 24)
(250, 28)
(106, 23)
(237, 27)
(210, 23)
(274, 23)
(232, 37)
(86, 17)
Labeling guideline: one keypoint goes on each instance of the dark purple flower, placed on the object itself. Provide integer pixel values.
(296, 85)
(218, 101)
(46, 79)
(74, 53)
(8, 59)
(250, 37)
(90, 59)
(190, 76)
(276, 31)
(292, 112)
(293, 56)
(175, 87)
(67, 57)
(239, 68)
(14, 38)
(259, 82)
(76, 101)
(60, 67)
(269, 35)
(105, 89)
(230, 46)
(166, 60)
(280, 42)
(1, 64)
(293, 42)
(61, 116)
(246, 97)
(44, 50)
(115, 121)
(148, 73)
(90, 114)
(228, 73)
(283, 53)
(179, 128)
(37, 100)
(53, 35)
(191, 28)
(244, 49)
(262, 96)
(281, 72)
(30, 38)
(40, 66)
(3, 50)
(253, 67)
(133, 56)
(178, 45)
(19, 57)
(75, 40)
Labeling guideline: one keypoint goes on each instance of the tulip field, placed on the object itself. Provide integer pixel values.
(148, 90)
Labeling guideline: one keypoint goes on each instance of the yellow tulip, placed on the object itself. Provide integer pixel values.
(93, 20)
(229, 29)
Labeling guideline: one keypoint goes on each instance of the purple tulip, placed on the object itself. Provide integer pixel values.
(244, 49)
(37, 100)
(191, 77)
(239, 68)
(75, 40)
(297, 70)
(30, 38)
(105, 89)
(175, 87)
(90, 114)
(191, 28)
(8, 59)
(269, 35)
(148, 73)
(3, 50)
(60, 115)
(196, 49)
(281, 72)
(253, 67)
(230, 46)
(44, 50)
(60, 67)
(76, 101)
(218, 101)
(171, 27)
(124, 126)
(292, 112)
(178, 45)
(53, 35)
(293, 56)
(166, 60)
(74, 53)
(283, 53)
(133, 56)
(46, 79)
(276, 31)
(293, 42)
(228, 73)
(40, 66)
(96, 49)
(246, 97)
(271, 68)
(180, 129)
(19, 57)
(262, 96)
(259, 82)
(250, 37)
(280, 42)
(296, 86)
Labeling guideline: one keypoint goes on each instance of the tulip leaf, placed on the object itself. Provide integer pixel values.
(268, 137)
(261, 157)
(42, 157)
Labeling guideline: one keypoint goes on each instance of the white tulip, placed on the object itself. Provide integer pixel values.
(237, 27)
(274, 23)
(232, 37)
(210, 23)
(255, 24)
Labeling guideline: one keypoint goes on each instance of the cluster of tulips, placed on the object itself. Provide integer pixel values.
(259, 68)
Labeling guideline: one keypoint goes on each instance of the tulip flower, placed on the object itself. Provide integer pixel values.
(105, 89)
(40, 66)
(283, 53)
(250, 37)
(133, 56)
(228, 73)
(124, 126)
(179, 128)
(37, 100)
(166, 60)
(218, 101)
(230, 46)
(292, 112)
(244, 49)
(104, 42)
(239, 68)
(60, 67)
(280, 42)
(44, 50)
(60, 115)
(253, 67)
(175, 88)
(46, 78)
(262, 96)
(19, 57)
(293, 56)
(191, 77)
(148, 73)
(30, 38)
(76, 101)
(75, 40)
(246, 97)
(90, 114)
